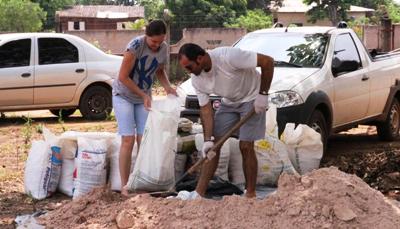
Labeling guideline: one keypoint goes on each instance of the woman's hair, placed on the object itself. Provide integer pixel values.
(191, 51)
(155, 28)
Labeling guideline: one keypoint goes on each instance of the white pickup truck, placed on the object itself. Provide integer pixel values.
(325, 77)
(55, 71)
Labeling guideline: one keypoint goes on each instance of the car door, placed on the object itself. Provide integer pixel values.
(59, 70)
(351, 88)
(16, 73)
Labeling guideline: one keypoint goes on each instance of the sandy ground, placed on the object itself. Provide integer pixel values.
(357, 151)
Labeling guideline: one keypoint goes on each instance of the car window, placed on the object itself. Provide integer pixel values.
(57, 51)
(288, 49)
(15, 53)
(345, 50)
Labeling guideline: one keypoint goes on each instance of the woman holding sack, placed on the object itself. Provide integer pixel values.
(144, 58)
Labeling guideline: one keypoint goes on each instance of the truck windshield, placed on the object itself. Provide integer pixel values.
(288, 49)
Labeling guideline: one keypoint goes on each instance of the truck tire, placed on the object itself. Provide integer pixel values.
(64, 112)
(389, 129)
(318, 123)
(96, 103)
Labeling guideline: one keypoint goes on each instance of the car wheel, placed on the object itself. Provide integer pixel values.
(318, 123)
(389, 129)
(96, 103)
(63, 112)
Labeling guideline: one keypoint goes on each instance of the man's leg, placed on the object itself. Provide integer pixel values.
(125, 157)
(249, 167)
(207, 172)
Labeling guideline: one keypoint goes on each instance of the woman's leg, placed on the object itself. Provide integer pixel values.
(125, 115)
(140, 119)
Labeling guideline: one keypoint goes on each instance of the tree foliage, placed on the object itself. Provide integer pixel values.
(51, 6)
(203, 13)
(335, 11)
(253, 20)
(20, 16)
(152, 8)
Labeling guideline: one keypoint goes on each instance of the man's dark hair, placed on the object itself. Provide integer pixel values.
(155, 28)
(191, 51)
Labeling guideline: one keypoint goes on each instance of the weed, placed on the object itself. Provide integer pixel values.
(39, 129)
(61, 121)
(27, 130)
(110, 116)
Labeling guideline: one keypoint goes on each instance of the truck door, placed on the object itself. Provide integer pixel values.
(16, 73)
(351, 84)
(59, 70)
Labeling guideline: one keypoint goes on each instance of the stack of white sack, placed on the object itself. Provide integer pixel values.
(51, 163)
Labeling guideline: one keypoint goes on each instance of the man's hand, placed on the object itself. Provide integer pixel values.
(206, 147)
(261, 103)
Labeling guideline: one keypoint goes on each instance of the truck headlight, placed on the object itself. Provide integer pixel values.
(285, 99)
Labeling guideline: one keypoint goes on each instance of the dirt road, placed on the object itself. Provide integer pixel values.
(357, 151)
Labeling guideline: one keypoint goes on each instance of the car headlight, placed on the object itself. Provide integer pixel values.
(285, 99)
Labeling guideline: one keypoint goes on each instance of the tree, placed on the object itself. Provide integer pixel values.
(253, 20)
(51, 6)
(262, 4)
(20, 16)
(152, 8)
(93, 2)
(335, 10)
(203, 13)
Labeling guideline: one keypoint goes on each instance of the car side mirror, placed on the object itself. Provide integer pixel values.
(339, 66)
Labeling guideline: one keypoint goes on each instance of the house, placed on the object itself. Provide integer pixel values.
(294, 12)
(97, 17)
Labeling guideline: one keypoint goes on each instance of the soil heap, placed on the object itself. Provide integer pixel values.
(324, 198)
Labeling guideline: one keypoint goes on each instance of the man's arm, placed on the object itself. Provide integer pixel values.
(267, 71)
(207, 119)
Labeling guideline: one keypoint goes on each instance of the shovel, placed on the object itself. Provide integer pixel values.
(210, 154)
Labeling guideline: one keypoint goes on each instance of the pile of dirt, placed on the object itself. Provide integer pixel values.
(325, 198)
(381, 169)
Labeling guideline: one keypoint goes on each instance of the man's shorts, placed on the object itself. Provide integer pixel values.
(131, 118)
(228, 115)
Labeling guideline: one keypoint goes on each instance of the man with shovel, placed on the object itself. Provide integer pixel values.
(230, 73)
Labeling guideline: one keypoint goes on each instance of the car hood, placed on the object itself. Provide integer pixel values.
(284, 79)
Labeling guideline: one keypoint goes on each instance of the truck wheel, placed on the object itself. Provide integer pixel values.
(389, 129)
(96, 103)
(318, 123)
(64, 112)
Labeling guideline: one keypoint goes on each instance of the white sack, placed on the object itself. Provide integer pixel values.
(154, 167)
(43, 166)
(235, 168)
(90, 165)
(68, 148)
(66, 184)
(114, 175)
(272, 153)
(304, 145)
(223, 162)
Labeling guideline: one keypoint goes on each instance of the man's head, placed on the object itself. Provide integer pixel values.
(155, 34)
(192, 58)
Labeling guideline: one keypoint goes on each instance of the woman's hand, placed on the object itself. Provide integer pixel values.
(147, 102)
(170, 90)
